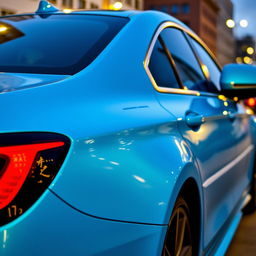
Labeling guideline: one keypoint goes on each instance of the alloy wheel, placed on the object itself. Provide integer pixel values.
(179, 240)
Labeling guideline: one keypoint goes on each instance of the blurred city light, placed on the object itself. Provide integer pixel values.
(247, 60)
(67, 10)
(239, 60)
(250, 50)
(117, 6)
(243, 23)
(230, 23)
(3, 28)
(251, 102)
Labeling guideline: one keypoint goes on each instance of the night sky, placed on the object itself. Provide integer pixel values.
(245, 9)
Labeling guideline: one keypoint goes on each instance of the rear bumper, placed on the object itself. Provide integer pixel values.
(51, 227)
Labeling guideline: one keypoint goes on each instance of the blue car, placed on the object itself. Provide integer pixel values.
(120, 135)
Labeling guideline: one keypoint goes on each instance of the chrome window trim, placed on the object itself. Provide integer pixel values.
(149, 53)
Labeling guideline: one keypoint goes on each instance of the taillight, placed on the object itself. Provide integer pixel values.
(28, 164)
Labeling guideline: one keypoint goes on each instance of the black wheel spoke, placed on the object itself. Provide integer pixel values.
(180, 232)
(166, 251)
(186, 251)
(179, 238)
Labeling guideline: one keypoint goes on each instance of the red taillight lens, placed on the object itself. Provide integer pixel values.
(28, 164)
(20, 159)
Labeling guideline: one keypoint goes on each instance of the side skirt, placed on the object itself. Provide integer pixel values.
(221, 242)
(229, 235)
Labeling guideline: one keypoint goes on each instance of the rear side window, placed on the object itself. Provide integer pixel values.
(160, 67)
(186, 63)
(55, 44)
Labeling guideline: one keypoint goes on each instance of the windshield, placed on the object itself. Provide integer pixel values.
(55, 44)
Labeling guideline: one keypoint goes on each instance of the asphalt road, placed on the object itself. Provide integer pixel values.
(244, 241)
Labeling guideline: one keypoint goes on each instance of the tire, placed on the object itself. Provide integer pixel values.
(251, 206)
(179, 239)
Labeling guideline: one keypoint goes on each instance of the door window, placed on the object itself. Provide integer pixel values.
(206, 59)
(160, 67)
(186, 63)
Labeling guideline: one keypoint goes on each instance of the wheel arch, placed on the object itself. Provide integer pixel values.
(190, 193)
(188, 186)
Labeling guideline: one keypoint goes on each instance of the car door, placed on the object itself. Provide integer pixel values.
(207, 121)
(237, 169)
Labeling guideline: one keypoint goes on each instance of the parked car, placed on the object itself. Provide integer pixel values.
(118, 138)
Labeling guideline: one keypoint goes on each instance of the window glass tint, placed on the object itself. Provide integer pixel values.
(161, 69)
(186, 63)
(208, 61)
(55, 44)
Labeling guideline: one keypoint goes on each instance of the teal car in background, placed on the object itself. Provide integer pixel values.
(120, 135)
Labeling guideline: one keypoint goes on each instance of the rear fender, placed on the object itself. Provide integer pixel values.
(134, 175)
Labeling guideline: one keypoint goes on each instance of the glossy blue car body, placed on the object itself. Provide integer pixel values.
(131, 154)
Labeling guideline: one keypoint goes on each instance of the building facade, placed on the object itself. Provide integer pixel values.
(200, 15)
(22, 6)
(225, 36)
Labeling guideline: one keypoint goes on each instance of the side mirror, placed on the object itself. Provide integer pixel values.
(238, 80)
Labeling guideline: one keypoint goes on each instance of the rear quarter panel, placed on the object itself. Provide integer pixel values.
(127, 160)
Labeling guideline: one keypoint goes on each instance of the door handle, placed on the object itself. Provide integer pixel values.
(194, 120)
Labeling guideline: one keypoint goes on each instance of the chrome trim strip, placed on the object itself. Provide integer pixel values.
(150, 50)
(179, 91)
(245, 85)
(208, 94)
(148, 55)
(219, 117)
(213, 118)
(247, 199)
(229, 166)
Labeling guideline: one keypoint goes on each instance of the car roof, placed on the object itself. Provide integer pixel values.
(131, 14)
(121, 13)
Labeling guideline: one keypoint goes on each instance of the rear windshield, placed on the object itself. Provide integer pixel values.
(55, 44)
